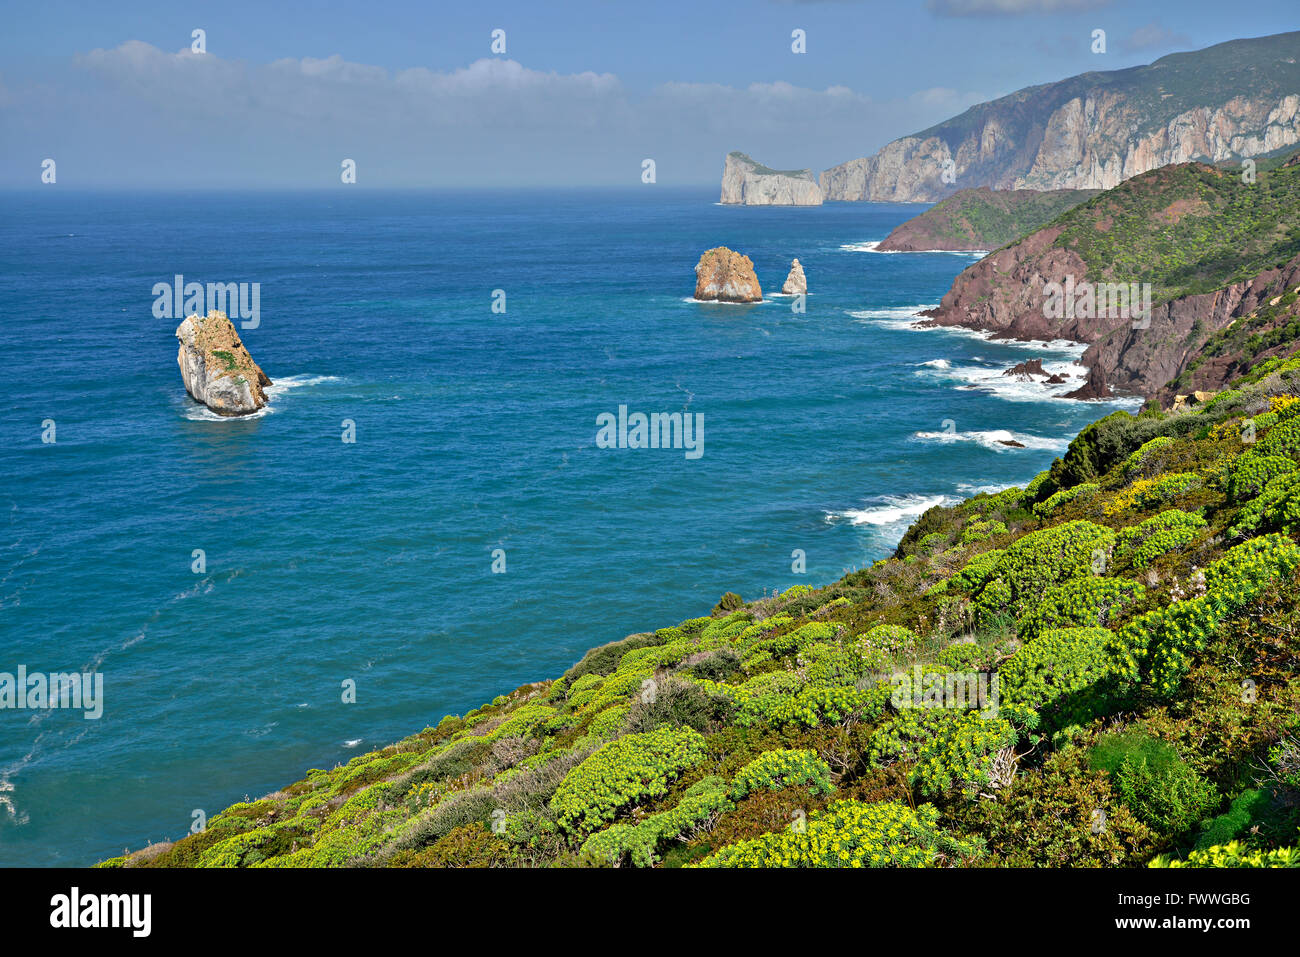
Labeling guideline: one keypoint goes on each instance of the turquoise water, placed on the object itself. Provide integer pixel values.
(326, 561)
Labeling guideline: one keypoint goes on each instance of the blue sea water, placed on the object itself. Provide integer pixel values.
(826, 431)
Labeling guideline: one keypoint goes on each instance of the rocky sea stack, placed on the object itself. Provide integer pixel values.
(796, 284)
(723, 275)
(216, 368)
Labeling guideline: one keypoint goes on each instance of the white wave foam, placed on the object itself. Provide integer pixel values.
(909, 317)
(989, 378)
(874, 247)
(970, 490)
(996, 439)
(719, 302)
(936, 364)
(352, 742)
(890, 510)
(296, 381)
(197, 412)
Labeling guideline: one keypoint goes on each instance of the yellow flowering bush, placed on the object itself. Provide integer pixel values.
(779, 769)
(851, 834)
(950, 749)
(623, 772)
(1148, 493)
(1092, 602)
(1233, 854)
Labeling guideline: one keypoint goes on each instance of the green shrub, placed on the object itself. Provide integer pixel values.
(1169, 531)
(948, 749)
(1093, 602)
(622, 773)
(1157, 647)
(1036, 562)
(1277, 507)
(700, 804)
(1170, 797)
(1234, 854)
(1062, 675)
(1252, 472)
(775, 770)
(1054, 501)
(981, 531)
(851, 834)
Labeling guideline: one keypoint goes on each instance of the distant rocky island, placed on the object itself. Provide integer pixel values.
(982, 219)
(749, 183)
(1228, 102)
(216, 368)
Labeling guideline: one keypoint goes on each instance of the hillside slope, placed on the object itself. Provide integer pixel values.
(982, 219)
(1137, 605)
(1214, 249)
(1092, 131)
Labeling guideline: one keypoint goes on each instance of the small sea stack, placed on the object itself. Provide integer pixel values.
(216, 368)
(796, 284)
(723, 275)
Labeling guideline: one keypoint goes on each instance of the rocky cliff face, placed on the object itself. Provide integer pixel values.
(1004, 294)
(723, 275)
(216, 368)
(1235, 100)
(796, 283)
(1207, 265)
(745, 182)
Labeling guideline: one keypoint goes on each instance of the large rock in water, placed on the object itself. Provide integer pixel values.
(726, 276)
(216, 368)
(749, 183)
(796, 284)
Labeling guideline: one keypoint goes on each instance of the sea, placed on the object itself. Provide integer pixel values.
(422, 518)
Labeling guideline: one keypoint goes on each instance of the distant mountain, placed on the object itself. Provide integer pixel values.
(1218, 252)
(975, 219)
(750, 183)
(1227, 102)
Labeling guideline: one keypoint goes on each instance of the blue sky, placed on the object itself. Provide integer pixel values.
(585, 90)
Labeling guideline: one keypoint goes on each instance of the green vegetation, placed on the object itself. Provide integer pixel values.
(983, 218)
(1187, 229)
(1137, 604)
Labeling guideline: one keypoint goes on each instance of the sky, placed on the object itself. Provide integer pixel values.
(583, 93)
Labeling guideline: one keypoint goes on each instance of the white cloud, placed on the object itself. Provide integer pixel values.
(146, 115)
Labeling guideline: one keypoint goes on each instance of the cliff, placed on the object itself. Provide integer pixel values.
(747, 183)
(1213, 249)
(1235, 100)
(723, 275)
(982, 219)
(216, 368)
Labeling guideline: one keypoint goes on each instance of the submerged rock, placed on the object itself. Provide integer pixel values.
(723, 275)
(216, 368)
(796, 284)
